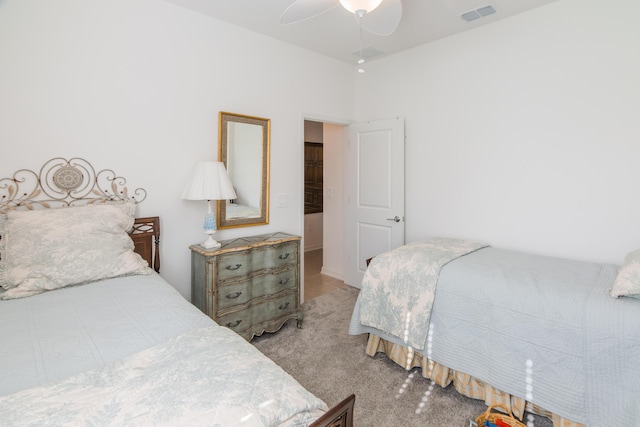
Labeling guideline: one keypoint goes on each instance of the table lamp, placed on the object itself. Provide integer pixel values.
(209, 182)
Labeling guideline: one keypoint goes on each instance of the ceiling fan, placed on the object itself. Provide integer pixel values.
(382, 16)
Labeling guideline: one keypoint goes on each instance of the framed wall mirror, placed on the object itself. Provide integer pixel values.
(244, 149)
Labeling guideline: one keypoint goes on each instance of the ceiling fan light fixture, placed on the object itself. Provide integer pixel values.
(355, 6)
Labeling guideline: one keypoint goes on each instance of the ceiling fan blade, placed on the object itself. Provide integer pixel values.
(383, 20)
(301, 10)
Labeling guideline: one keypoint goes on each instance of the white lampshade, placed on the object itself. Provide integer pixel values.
(355, 5)
(209, 181)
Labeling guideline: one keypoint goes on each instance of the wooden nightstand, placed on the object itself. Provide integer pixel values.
(249, 284)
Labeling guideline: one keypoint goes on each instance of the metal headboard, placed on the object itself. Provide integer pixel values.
(61, 182)
(75, 182)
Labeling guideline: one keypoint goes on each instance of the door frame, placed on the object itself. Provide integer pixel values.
(324, 119)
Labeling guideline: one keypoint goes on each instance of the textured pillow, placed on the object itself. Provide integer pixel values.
(627, 281)
(53, 248)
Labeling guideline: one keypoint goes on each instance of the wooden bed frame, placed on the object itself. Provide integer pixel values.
(146, 240)
(340, 415)
(74, 182)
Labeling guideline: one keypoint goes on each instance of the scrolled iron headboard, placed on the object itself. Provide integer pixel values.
(74, 182)
(62, 183)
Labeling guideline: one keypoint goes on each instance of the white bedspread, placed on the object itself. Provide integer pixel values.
(207, 376)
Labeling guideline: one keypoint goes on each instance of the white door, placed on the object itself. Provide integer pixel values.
(375, 193)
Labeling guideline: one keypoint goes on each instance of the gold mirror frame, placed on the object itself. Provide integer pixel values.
(244, 147)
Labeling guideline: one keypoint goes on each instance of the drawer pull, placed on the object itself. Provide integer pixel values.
(284, 281)
(234, 296)
(233, 325)
(283, 256)
(233, 267)
(283, 306)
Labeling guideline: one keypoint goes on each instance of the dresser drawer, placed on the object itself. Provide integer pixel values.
(241, 292)
(259, 311)
(238, 264)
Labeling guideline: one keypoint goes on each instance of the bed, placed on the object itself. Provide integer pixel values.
(92, 335)
(549, 336)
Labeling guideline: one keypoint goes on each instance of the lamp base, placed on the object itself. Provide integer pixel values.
(210, 228)
(210, 243)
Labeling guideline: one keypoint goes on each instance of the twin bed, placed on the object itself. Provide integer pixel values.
(92, 335)
(554, 337)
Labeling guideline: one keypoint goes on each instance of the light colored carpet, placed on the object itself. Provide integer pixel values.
(332, 365)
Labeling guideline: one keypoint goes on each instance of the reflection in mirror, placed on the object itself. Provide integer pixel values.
(244, 149)
(244, 159)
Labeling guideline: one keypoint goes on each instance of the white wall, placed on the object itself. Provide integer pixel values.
(334, 232)
(523, 133)
(136, 86)
(313, 231)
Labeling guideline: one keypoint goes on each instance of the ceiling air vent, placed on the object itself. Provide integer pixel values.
(472, 15)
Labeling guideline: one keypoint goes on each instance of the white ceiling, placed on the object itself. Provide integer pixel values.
(336, 33)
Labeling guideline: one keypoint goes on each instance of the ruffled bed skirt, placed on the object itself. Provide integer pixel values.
(463, 383)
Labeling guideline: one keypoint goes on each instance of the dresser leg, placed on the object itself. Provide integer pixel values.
(299, 318)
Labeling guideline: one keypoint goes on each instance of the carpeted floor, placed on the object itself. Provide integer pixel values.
(332, 365)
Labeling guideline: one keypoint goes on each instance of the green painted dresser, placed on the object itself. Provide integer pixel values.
(249, 284)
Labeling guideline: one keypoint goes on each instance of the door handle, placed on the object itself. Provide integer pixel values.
(395, 219)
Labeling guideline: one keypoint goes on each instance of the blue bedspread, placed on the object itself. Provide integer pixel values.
(499, 312)
(203, 377)
(132, 351)
(398, 288)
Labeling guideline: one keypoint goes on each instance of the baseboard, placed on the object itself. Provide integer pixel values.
(334, 274)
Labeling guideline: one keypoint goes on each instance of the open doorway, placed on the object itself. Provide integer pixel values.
(324, 211)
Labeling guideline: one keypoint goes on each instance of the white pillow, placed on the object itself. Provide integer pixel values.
(53, 248)
(627, 281)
